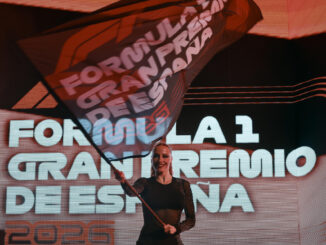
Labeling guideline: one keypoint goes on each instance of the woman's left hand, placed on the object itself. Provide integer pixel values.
(169, 229)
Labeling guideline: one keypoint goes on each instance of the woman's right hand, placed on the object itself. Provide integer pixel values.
(169, 229)
(119, 175)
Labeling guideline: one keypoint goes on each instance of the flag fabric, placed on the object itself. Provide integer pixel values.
(122, 71)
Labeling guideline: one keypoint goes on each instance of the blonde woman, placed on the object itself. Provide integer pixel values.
(167, 196)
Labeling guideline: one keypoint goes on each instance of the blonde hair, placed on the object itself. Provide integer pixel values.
(154, 148)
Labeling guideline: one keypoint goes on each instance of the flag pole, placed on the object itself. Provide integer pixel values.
(139, 197)
(100, 152)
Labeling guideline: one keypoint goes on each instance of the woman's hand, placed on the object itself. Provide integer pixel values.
(169, 229)
(119, 175)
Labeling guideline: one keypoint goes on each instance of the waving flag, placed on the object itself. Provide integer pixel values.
(122, 72)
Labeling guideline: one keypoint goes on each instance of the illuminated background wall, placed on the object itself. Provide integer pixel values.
(52, 182)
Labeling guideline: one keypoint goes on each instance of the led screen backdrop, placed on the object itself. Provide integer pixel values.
(249, 140)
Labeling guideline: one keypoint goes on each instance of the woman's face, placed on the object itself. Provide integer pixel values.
(161, 159)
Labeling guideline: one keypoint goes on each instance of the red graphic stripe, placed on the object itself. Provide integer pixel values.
(266, 94)
(48, 103)
(262, 87)
(32, 98)
(258, 97)
(257, 102)
(258, 92)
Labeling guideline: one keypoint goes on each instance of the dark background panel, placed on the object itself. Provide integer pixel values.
(260, 60)
(281, 126)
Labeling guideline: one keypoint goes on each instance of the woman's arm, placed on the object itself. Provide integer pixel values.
(138, 185)
(190, 220)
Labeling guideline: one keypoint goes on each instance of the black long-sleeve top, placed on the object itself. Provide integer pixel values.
(167, 201)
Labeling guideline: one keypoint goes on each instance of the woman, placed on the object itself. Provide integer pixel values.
(167, 196)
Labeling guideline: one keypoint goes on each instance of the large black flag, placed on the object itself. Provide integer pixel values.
(123, 71)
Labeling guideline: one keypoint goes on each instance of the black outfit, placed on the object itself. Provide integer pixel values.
(167, 201)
